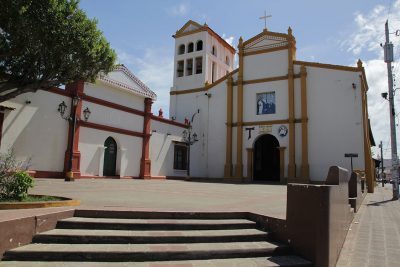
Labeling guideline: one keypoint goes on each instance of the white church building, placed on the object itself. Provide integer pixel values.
(273, 118)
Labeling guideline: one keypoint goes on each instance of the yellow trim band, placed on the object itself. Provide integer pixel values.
(326, 66)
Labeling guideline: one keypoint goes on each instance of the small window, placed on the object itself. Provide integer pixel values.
(189, 67)
(180, 157)
(181, 49)
(214, 51)
(213, 72)
(190, 47)
(227, 60)
(199, 65)
(199, 45)
(179, 68)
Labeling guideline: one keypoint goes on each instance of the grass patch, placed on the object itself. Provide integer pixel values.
(33, 199)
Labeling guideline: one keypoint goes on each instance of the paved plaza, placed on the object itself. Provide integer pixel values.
(162, 195)
(373, 240)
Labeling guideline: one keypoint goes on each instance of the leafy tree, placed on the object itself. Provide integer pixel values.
(46, 43)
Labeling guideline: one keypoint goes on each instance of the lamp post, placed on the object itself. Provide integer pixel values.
(189, 139)
(72, 118)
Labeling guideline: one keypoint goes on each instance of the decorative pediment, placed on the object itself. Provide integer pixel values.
(123, 78)
(265, 40)
(189, 27)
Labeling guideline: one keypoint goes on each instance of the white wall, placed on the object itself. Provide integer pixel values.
(335, 120)
(217, 118)
(113, 117)
(115, 95)
(36, 130)
(162, 144)
(265, 65)
(91, 142)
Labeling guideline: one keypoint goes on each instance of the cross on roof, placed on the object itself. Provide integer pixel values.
(265, 17)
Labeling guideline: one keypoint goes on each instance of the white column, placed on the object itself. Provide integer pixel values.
(121, 162)
(101, 150)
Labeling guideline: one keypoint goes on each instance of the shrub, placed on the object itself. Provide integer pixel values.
(14, 180)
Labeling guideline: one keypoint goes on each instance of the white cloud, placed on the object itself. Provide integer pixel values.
(370, 30)
(229, 39)
(155, 69)
(178, 11)
(366, 41)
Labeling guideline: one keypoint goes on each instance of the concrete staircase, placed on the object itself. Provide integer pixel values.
(151, 238)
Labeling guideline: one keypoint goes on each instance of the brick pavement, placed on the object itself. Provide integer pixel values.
(374, 238)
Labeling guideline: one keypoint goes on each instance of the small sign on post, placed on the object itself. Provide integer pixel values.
(351, 156)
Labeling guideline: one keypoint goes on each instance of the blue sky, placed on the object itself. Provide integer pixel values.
(335, 32)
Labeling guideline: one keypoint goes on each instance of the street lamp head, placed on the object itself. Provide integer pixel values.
(75, 101)
(86, 113)
(384, 95)
(61, 108)
(195, 137)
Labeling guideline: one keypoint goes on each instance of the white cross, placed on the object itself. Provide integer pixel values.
(265, 17)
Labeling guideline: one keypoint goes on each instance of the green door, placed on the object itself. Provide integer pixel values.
(110, 157)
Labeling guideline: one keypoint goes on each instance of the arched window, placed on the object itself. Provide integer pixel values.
(190, 47)
(199, 45)
(181, 49)
(214, 51)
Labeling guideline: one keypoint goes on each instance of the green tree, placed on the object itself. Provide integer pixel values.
(46, 43)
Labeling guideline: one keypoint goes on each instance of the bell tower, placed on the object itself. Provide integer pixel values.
(201, 57)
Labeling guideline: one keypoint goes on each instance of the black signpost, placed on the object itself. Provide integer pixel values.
(351, 156)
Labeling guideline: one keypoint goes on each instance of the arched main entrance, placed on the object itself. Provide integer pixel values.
(266, 159)
(110, 157)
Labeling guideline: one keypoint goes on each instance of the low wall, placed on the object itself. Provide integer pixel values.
(318, 217)
(18, 232)
(356, 192)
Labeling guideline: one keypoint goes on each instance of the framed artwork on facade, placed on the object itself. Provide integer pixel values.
(266, 103)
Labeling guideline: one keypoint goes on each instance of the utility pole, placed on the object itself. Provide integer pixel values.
(388, 52)
(382, 172)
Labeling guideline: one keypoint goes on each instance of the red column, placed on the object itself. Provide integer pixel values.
(76, 89)
(145, 163)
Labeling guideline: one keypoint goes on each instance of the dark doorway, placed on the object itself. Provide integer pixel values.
(266, 159)
(110, 157)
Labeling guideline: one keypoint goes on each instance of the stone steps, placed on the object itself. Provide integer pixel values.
(153, 224)
(144, 252)
(167, 239)
(274, 261)
(82, 236)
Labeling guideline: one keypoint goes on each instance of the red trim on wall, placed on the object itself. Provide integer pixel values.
(105, 103)
(87, 176)
(109, 128)
(167, 121)
(46, 174)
